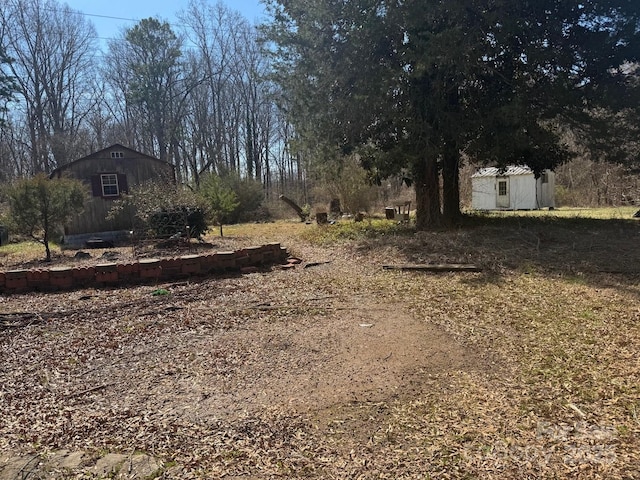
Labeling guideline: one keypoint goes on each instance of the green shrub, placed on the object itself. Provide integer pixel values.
(220, 199)
(177, 221)
(249, 197)
(39, 206)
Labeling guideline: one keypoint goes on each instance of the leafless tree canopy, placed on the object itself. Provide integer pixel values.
(196, 94)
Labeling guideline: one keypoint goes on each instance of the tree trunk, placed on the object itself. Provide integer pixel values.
(250, 145)
(451, 185)
(427, 194)
(47, 250)
(45, 242)
(267, 170)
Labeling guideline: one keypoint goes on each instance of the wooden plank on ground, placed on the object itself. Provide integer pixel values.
(435, 267)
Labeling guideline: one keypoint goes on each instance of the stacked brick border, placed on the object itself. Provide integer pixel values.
(150, 270)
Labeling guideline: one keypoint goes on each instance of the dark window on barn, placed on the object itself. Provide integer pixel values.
(109, 185)
(502, 188)
(109, 182)
(545, 178)
(117, 154)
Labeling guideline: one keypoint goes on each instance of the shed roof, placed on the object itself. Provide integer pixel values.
(508, 171)
(103, 151)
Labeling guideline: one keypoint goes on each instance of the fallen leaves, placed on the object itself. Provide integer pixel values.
(320, 372)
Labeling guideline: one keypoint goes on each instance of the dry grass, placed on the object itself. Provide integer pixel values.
(566, 397)
(21, 253)
(604, 213)
(548, 386)
(557, 310)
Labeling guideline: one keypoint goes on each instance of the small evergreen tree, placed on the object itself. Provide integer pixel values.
(158, 208)
(221, 200)
(249, 197)
(39, 205)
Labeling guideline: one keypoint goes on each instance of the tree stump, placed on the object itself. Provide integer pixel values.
(294, 205)
(390, 213)
(335, 208)
(321, 218)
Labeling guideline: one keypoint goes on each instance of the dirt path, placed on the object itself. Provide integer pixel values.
(212, 355)
(367, 353)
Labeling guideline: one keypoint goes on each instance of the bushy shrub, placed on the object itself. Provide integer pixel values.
(186, 220)
(249, 196)
(219, 198)
(160, 209)
(349, 183)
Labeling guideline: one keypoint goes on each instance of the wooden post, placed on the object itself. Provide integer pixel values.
(321, 218)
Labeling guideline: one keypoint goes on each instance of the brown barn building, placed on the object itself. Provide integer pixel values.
(109, 173)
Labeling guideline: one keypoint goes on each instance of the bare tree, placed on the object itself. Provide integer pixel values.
(234, 119)
(151, 82)
(214, 30)
(53, 49)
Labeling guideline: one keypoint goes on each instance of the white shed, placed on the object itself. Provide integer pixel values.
(514, 188)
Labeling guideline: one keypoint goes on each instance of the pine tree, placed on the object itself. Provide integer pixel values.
(220, 199)
(415, 84)
(40, 206)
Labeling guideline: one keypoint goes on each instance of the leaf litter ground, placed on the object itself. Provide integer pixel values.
(342, 370)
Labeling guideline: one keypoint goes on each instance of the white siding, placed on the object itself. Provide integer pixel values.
(483, 196)
(525, 191)
(546, 191)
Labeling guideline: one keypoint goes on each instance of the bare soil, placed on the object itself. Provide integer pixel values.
(338, 370)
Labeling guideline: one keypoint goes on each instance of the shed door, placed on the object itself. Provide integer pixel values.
(502, 190)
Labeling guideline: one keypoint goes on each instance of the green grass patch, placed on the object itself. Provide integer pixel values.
(561, 216)
(21, 248)
(24, 252)
(354, 231)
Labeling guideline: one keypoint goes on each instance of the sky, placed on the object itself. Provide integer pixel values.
(111, 16)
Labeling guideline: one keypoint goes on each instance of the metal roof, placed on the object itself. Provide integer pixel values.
(508, 171)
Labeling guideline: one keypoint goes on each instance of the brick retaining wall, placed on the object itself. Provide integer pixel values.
(148, 270)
